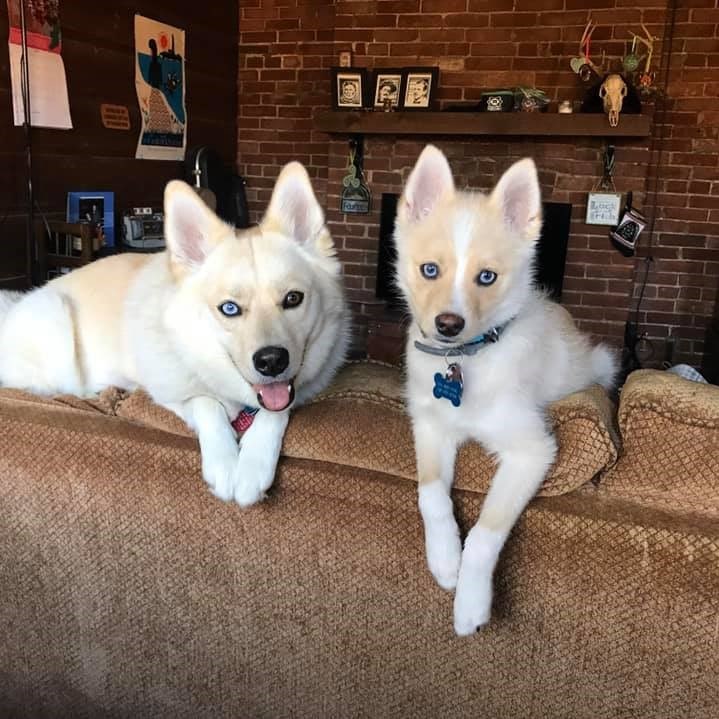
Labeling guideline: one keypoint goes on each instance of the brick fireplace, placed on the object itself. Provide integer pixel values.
(286, 50)
(598, 279)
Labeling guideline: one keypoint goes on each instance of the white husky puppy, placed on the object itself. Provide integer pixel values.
(223, 319)
(486, 353)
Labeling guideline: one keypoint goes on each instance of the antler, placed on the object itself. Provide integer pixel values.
(584, 44)
(648, 42)
(586, 36)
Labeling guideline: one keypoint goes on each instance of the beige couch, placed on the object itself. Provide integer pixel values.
(127, 590)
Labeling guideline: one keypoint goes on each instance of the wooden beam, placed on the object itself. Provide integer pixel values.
(480, 123)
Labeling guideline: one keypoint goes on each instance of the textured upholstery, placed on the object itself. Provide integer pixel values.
(670, 427)
(129, 591)
(374, 432)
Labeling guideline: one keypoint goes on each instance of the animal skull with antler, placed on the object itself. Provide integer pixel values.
(613, 91)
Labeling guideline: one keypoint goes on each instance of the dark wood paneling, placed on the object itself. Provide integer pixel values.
(98, 52)
(12, 250)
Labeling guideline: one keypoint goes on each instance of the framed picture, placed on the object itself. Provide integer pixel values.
(603, 208)
(349, 88)
(97, 208)
(420, 87)
(387, 85)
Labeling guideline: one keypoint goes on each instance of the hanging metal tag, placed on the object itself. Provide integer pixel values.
(450, 385)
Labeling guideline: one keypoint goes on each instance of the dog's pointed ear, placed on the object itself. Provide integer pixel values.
(294, 210)
(519, 200)
(429, 181)
(191, 227)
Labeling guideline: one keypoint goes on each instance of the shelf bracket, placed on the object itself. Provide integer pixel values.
(356, 143)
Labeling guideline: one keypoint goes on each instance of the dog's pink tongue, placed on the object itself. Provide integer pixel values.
(275, 395)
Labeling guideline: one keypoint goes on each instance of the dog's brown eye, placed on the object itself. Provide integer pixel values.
(486, 278)
(292, 299)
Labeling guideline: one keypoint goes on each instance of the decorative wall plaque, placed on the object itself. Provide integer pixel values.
(115, 117)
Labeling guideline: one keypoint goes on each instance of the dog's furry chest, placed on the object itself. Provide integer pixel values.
(488, 389)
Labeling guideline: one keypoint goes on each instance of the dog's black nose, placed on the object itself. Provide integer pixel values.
(271, 361)
(448, 324)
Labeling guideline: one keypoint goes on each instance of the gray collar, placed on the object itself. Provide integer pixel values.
(468, 348)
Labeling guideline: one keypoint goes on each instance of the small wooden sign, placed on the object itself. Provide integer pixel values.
(603, 208)
(115, 117)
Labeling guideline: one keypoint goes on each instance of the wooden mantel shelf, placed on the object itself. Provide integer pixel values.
(480, 123)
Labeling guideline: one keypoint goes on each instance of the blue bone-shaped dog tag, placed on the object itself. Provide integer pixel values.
(450, 385)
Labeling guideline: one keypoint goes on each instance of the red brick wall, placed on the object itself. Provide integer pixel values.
(286, 47)
(683, 284)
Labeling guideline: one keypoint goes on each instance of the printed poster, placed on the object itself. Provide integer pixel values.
(49, 104)
(160, 84)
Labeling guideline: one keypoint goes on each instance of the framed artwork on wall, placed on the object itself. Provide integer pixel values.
(420, 87)
(349, 88)
(387, 88)
(97, 209)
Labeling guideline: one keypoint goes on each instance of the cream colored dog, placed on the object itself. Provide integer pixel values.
(222, 320)
(486, 353)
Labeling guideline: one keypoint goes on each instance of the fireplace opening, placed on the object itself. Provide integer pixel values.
(551, 250)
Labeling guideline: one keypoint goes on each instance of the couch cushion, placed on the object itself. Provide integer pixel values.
(360, 421)
(103, 403)
(670, 435)
(138, 407)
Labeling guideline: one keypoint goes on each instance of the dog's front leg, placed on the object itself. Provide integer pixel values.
(218, 442)
(259, 453)
(435, 452)
(525, 454)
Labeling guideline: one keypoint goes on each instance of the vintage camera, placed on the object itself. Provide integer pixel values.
(142, 229)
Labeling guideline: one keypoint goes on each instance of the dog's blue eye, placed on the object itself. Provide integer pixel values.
(486, 277)
(230, 309)
(429, 270)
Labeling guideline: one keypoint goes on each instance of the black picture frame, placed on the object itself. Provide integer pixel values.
(384, 79)
(419, 88)
(344, 80)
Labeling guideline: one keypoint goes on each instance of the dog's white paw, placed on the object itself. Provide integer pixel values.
(444, 555)
(248, 492)
(253, 476)
(218, 470)
(472, 601)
